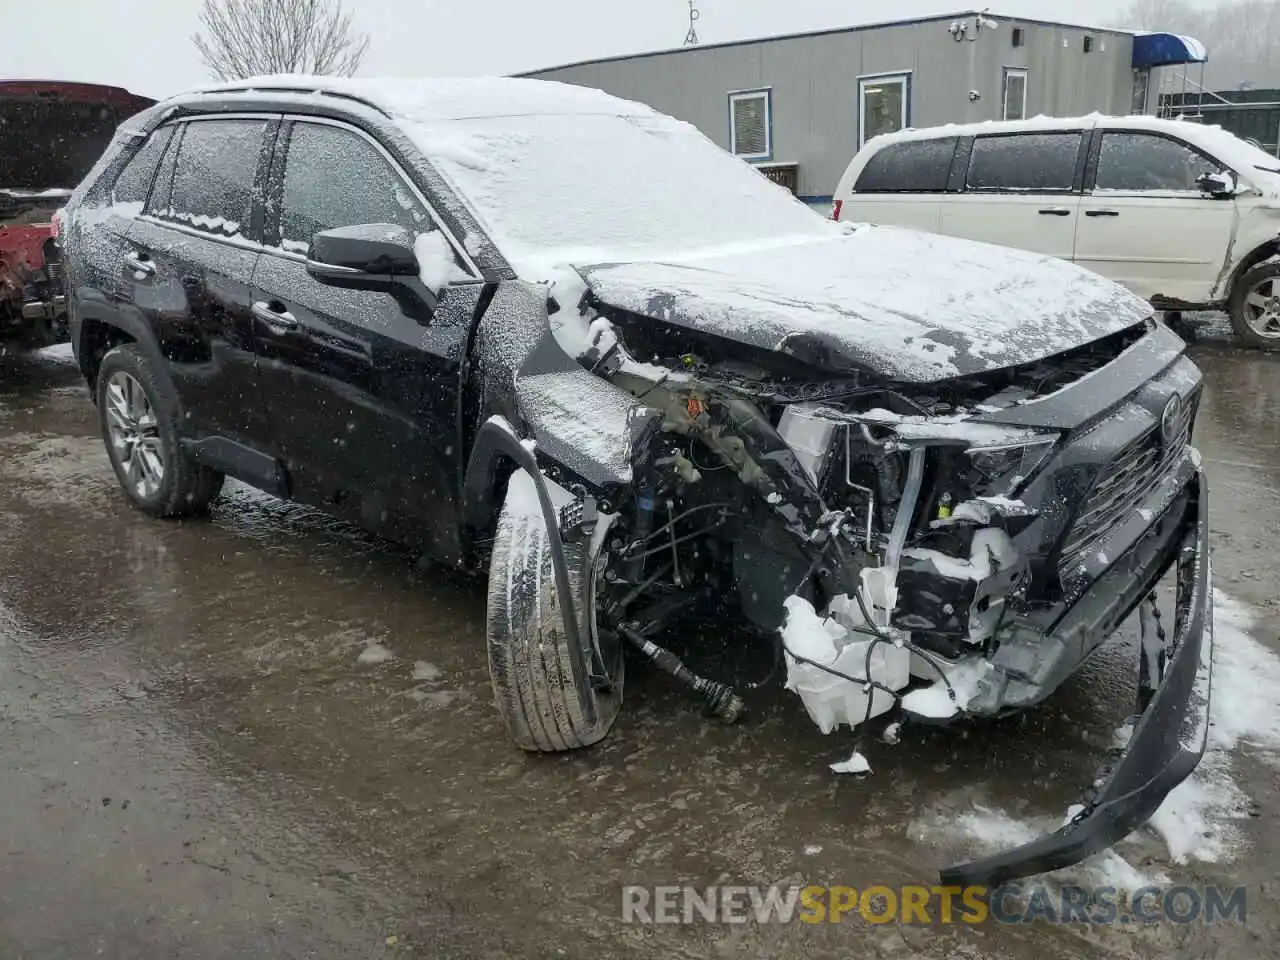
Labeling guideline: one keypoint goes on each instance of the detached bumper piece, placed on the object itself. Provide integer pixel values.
(1167, 744)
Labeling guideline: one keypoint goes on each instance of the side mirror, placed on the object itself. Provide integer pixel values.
(371, 256)
(1217, 185)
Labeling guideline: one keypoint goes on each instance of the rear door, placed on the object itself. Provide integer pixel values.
(1020, 190)
(363, 396)
(902, 184)
(188, 264)
(1146, 224)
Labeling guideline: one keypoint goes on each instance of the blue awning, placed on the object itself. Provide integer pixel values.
(1164, 49)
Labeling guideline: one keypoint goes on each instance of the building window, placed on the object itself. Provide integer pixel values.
(1019, 38)
(751, 124)
(1015, 94)
(885, 105)
(1088, 44)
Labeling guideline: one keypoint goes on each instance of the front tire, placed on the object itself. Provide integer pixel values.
(529, 662)
(1255, 307)
(139, 426)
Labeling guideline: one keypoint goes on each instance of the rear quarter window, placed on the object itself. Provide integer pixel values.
(134, 182)
(914, 166)
(1025, 162)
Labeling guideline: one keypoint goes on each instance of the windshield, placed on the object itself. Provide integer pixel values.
(553, 190)
(49, 143)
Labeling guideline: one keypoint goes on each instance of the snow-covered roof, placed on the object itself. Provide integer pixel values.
(451, 98)
(1220, 143)
(558, 174)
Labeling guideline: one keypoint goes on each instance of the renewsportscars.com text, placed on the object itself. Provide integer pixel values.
(1009, 903)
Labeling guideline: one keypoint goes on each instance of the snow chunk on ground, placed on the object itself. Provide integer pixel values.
(426, 671)
(855, 764)
(373, 654)
(1196, 820)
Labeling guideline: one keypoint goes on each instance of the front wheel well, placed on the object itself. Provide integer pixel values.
(96, 339)
(1265, 252)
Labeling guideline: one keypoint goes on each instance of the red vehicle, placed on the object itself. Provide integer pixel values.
(51, 134)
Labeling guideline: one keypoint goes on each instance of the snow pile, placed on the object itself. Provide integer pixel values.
(987, 830)
(1198, 820)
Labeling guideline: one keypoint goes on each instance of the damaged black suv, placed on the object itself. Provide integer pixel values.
(535, 330)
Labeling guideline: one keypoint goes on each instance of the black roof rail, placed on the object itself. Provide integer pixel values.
(250, 88)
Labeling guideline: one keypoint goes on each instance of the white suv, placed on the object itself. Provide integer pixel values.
(1185, 215)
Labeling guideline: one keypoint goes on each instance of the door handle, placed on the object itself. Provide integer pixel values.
(140, 263)
(1102, 213)
(276, 318)
(1055, 211)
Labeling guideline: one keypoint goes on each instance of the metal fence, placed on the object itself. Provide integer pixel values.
(1252, 115)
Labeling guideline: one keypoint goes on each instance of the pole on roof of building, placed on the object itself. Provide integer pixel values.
(691, 38)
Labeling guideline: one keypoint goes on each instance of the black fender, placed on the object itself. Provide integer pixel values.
(90, 307)
(539, 393)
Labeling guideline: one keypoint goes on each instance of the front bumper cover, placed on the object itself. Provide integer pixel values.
(1168, 740)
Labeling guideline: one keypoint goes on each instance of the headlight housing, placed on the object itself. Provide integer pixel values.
(1001, 468)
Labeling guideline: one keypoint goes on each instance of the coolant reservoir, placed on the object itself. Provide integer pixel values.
(809, 435)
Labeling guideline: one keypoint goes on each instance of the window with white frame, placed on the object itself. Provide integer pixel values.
(885, 105)
(750, 124)
(1015, 94)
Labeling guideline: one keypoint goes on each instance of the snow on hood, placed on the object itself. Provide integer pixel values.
(910, 305)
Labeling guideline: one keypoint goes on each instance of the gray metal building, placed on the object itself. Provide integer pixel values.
(800, 106)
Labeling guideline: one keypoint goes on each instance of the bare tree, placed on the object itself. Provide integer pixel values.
(245, 38)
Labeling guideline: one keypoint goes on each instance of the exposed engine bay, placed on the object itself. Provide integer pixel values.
(870, 529)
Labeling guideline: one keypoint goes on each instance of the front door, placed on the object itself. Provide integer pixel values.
(1147, 225)
(363, 396)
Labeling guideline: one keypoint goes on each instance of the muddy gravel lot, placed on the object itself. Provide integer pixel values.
(266, 735)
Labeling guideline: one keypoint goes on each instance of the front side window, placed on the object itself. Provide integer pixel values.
(884, 106)
(214, 176)
(134, 182)
(1139, 162)
(336, 178)
(1024, 162)
(916, 166)
(1015, 94)
(750, 122)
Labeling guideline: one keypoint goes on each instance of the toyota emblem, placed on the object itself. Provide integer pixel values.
(1171, 420)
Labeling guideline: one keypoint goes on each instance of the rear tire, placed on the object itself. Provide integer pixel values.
(529, 664)
(1255, 307)
(138, 419)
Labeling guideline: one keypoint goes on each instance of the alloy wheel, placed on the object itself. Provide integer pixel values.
(1262, 308)
(135, 434)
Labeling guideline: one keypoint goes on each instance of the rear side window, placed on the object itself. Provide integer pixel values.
(213, 179)
(1030, 162)
(1139, 161)
(134, 182)
(336, 178)
(916, 166)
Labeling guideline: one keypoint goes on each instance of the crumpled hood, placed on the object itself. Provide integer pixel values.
(912, 306)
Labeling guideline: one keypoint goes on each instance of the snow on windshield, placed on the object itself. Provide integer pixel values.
(557, 189)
